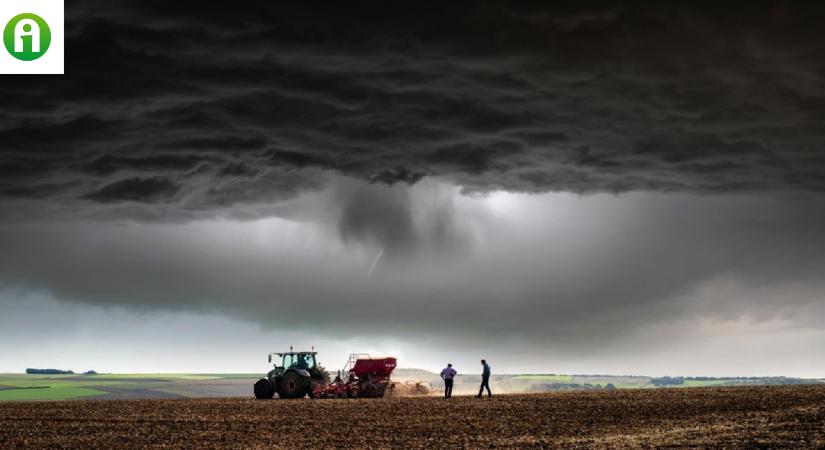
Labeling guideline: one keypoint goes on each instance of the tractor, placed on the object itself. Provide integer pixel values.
(296, 377)
(300, 375)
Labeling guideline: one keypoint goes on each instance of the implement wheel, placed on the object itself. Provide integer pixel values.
(263, 389)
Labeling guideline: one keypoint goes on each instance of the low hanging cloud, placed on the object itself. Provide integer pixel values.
(574, 271)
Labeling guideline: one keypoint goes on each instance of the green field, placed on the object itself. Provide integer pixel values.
(16, 387)
(704, 383)
(552, 378)
(163, 376)
(50, 393)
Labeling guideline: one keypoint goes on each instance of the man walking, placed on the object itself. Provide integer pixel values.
(447, 375)
(485, 380)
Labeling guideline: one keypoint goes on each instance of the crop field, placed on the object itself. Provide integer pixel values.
(733, 417)
(15, 387)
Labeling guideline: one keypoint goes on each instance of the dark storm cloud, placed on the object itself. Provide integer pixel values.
(107, 164)
(490, 96)
(370, 129)
(137, 189)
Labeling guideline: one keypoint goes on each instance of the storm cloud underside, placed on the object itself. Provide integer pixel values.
(563, 179)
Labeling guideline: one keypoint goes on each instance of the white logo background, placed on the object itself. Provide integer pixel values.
(52, 12)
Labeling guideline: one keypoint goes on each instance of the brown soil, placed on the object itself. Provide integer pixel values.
(740, 417)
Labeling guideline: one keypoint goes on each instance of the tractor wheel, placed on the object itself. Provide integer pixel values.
(263, 389)
(293, 385)
(381, 391)
(370, 390)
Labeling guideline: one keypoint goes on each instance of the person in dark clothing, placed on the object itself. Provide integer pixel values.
(447, 375)
(485, 380)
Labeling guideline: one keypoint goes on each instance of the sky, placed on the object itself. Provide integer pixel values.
(599, 189)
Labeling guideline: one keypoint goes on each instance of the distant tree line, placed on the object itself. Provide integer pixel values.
(752, 378)
(56, 372)
(731, 381)
(48, 372)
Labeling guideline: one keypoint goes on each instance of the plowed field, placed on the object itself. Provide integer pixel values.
(787, 416)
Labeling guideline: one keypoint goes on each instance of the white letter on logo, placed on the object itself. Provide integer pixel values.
(34, 32)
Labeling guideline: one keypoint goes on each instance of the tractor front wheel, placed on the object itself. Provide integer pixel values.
(263, 389)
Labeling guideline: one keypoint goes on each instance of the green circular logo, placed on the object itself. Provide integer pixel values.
(27, 36)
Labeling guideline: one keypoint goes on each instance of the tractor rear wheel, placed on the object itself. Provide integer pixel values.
(293, 385)
(263, 389)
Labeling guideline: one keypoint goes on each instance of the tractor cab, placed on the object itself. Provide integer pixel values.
(297, 360)
(294, 361)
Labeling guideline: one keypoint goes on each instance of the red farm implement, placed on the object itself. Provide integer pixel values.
(364, 376)
(298, 375)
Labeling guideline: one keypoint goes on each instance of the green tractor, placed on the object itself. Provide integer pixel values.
(296, 377)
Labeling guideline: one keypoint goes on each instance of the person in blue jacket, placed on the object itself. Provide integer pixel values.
(485, 380)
